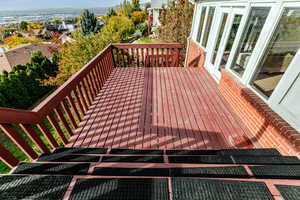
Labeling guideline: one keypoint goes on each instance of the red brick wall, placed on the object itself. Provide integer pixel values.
(269, 129)
(195, 55)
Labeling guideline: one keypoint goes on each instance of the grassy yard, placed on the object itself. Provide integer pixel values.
(147, 40)
(8, 144)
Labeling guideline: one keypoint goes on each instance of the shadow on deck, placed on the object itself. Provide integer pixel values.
(161, 108)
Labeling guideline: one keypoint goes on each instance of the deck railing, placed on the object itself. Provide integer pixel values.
(54, 120)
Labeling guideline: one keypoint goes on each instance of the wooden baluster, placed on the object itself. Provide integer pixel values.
(152, 58)
(12, 133)
(132, 58)
(91, 85)
(72, 103)
(173, 58)
(177, 57)
(157, 57)
(102, 72)
(95, 80)
(62, 118)
(97, 70)
(128, 58)
(143, 58)
(30, 132)
(147, 61)
(56, 126)
(123, 57)
(7, 157)
(45, 131)
(137, 57)
(79, 101)
(117, 57)
(96, 77)
(86, 94)
(168, 58)
(69, 113)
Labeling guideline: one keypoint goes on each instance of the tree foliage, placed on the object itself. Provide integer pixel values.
(118, 29)
(15, 40)
(23, 86)
(111, 12)
(23, 26)
(34, 26)
(138, 17)
(176, 22)
(89, 23)
(135, 4)
(125, 8)
(75, 55)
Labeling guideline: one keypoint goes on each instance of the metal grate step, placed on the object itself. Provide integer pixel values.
(120, 189)
(53, 169)
(134, 159)
(33, 187)
(194, 189)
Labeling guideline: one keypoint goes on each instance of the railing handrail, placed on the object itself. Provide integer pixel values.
(15, 116)
(51, 101)
(152, 45)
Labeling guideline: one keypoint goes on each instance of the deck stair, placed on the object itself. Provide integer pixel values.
(119, 174)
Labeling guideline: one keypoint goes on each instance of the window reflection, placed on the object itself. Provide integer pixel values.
(209, 20)
(203, 12)
(224, 19)
(255, 23)
(234, 29)
(281, 50)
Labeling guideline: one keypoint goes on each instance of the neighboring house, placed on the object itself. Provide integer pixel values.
(21, 55)
(38, 33)
(251, 48)
(156, 6)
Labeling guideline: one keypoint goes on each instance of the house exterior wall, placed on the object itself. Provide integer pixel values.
(195, 56)
(265, 125)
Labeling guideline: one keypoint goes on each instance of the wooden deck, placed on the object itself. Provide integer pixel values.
(161, 108)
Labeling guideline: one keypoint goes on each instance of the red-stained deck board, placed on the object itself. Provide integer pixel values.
(160, 108)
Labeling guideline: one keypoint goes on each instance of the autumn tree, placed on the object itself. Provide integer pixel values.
(89, 23)
(176, 22)
(135, 5)
(138, 17)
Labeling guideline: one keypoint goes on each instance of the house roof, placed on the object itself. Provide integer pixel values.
(22, 54)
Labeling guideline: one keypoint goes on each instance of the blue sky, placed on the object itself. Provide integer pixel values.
(42, 4)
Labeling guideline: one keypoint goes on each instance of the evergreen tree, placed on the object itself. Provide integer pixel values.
(23, 25)
(89, 23)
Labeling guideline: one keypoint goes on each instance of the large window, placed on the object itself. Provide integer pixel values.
(233, 31)
(201, 22)
(281, 50)
(209, 20)
(223, 23)
(255, 23)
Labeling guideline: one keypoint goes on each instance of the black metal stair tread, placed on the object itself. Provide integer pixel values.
(192, 152)
(228, 172)
(137, 151)
(201, 159)
(116, 171)
(121, 189)
(81, 150)
(250, 152)
(289, 192)
(135, 159)
(267, 160)
(276, 171)
(62, 169)
(33, 187)
(194, 189)
(65, 157)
